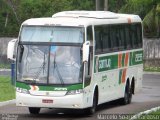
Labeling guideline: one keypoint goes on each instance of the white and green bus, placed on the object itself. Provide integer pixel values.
(77, 60)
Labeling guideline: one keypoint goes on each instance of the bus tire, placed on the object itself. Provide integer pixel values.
(127, 95)
(92, 110)
(34, 110)
(130, 95)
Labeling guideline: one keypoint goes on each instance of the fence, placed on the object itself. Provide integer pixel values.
(151, 52)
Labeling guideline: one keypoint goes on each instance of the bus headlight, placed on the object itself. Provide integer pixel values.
(72, 92)
(21, 90)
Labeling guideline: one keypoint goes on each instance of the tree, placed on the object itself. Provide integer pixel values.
(4, 11)
(105, 5)
(8, 23)
(82, 4)
(99, 5)
(151, 21)
(116, 5)
(110, 5)
(46, 8)
(12, 11)
(40, 8)
(148, 11)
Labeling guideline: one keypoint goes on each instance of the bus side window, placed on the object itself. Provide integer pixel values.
(122, 38)
(139, 35)
(106, 43)
(98, 39)
(133, 35)
(117, 37)
(114, 38)
(127, 37)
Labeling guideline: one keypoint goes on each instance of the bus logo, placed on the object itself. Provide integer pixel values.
(138, 57)
(34, 88)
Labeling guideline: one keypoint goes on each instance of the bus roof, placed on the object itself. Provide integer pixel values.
(87, 14)
(83, 18)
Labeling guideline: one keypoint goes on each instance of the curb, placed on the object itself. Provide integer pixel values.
(153, 73)
(5, 70)
(145, 113)
(7, 102)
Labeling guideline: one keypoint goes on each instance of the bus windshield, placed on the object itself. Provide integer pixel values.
(49, 64)
(52, 34)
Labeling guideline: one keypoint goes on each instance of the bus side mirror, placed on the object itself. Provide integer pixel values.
(86, 51)
(11, 49)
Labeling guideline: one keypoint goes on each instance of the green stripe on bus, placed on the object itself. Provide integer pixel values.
(22, 85)
(50, 88)
(110, 62)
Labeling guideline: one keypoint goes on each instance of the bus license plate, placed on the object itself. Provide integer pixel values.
(47, 101)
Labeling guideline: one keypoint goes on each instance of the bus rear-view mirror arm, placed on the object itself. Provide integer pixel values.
(87, 80)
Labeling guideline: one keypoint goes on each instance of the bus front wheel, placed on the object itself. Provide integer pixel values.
(34, 110)
(92, 109)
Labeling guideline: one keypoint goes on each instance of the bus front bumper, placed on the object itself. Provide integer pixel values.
(67, 101)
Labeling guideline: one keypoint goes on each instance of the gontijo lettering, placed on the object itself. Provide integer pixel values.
(106, 63)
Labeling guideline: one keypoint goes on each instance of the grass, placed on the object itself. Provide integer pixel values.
(151, 116)
(152, 69)
(6, 66)
(7, 91)
(157, 112)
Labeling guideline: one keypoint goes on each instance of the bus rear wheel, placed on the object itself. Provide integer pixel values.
(127, 95)
(34, 110)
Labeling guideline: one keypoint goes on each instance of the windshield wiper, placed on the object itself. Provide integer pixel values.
(44, 63)
(42, 67)
(56, 67)
(21, 53)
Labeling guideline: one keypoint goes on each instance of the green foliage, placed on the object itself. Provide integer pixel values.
(154, 115)
(82, 4)
(46, 8)
(150, 23)
(149, 10)
(139, 7)
(5, 66)
(7, 91)
(10, 27)
(26, 9)
(40, 8)
(115, 5)
(151, 69)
